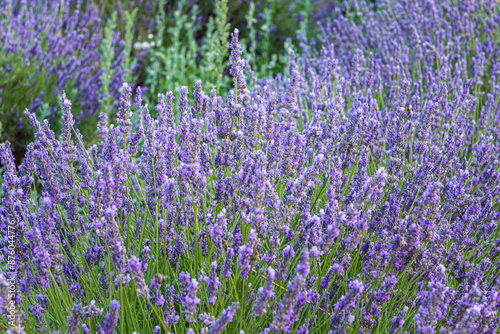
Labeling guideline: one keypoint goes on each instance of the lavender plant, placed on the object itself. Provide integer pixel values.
(348, 195)
(48, 47)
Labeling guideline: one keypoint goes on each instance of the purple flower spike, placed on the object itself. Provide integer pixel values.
(237, 66)
(189, 288)
(226, 317)
(434, 303)
(137, 270)
(265, 294)
(245, 253)
(111, 319)
(124, 114)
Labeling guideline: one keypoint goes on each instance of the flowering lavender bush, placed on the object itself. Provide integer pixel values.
(52, 46)
(355, 196)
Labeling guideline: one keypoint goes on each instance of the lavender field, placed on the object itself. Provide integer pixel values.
(238, 167)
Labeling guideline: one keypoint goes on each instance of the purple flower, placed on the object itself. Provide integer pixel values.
(434, 303)
(137, 270)
(245, 253)
(74, 319)
(212, 280)
(398, 321)
(293, 300)
(342, 316)
(155, 288)
(265, 294)
(237, 66)
(286, 256)
(90, 311)
(228, 263)
(225, 318)
(124, 114)
(170, 315)
(479, 317)
(189, 301)
(111, 319)
(218, 230)
(349, 301)
(206, 318)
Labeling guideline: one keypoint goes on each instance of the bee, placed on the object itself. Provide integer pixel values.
(402, 241)
(159, 277)
(409, 110)
(255, 256)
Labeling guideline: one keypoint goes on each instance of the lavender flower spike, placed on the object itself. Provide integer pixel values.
(226, 317)
(124, 114)
(111, 319)
(189, 301)
(265, 293)
(244, 254)
(74, 319)
(237, 66)
(136, 270)
(434, 303)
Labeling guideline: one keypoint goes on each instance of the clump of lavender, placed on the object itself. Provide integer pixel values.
(60, 47)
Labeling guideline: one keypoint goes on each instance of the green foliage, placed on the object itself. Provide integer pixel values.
(174, 60)
(216, 45)
(186, 50)
(129, 62)
(107, 53)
